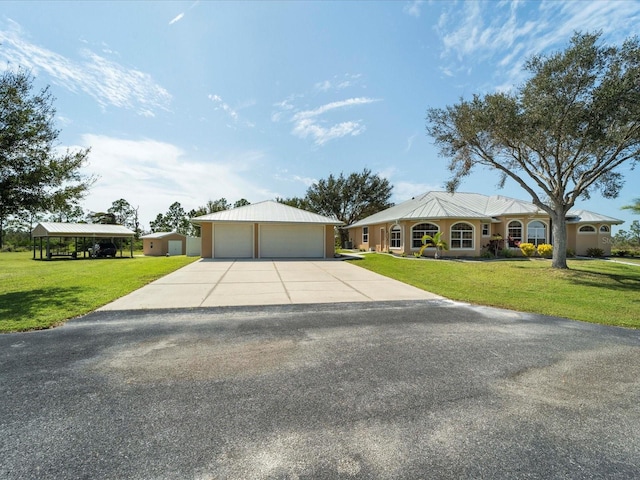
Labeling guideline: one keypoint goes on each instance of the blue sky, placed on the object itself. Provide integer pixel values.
(191, 101)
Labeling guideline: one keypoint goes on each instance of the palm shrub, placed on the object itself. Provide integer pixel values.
(527, 249)
(545, 250)
(434, 240)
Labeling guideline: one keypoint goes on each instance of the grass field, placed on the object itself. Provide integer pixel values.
(38, 294)
(594, 291)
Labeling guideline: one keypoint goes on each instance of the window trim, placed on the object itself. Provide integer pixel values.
(452, 239)
(607, 229)
(488, 225)
(515, 239)
(365, 234)
(587, 232)
(395, 228)
(546, 232)
(422, 223)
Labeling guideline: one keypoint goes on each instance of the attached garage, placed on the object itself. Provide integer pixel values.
(266, 230)
(292, 241)
(233, 240)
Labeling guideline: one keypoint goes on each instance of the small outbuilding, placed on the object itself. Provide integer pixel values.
(266, 230)
(164, 243)
(80, 239)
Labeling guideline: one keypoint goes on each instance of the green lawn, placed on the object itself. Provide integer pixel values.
(38, 294)
(594, 291)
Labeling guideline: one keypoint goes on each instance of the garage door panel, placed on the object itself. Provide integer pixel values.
(292, 241)
(233, 241)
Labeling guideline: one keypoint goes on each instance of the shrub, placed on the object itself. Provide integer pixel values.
(527, 249)
(570, 252)
(545, 250)
(622, 253)
(595, 252)
(506, 253)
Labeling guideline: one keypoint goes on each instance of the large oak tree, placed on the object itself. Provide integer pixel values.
(34, 176)
(560, 136)
(348, 199)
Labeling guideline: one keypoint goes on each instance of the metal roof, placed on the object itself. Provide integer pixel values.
(51, 229)
(441, 205)
(161, 234)
(585, 216)
(266, 212)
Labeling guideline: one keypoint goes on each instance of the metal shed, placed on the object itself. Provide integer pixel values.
(79, 235)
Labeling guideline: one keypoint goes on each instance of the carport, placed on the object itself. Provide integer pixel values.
(57, 238)
(266, 230)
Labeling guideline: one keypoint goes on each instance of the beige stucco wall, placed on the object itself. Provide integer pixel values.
(576, 241)
(598, 239)
(206, 236)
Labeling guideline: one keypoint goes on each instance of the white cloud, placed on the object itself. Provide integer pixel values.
(108, 82)
(338, 82)
(177, 18)
(507, 33)
(153, 174)
(413, 8)
(231, 112)
(308, 124)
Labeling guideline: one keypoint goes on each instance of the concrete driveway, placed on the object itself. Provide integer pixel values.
(215, 283)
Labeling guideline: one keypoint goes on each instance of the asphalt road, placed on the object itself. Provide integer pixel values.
(422, 389)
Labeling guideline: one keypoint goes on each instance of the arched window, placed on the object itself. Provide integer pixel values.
(419, 231)
(396, 236)
(587, 229)
(536, 232)
(604, 229)
(462, 236)
(514, 233)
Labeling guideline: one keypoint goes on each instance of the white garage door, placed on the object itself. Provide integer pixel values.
(175, 247)
(292, 241)
(233, 240)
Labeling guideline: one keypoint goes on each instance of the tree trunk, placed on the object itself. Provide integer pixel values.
(559, 229)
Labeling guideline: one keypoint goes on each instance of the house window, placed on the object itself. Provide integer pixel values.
(419, 231)
(587, 229)
(486, 231)
(396, 236)
(536, 233)
(462, 236)
(365, 234)
(604, 229)
(514, 233)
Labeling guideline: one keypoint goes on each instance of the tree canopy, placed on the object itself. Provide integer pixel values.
(634, 207)
(348, 199)
(560, 136)
(34, 176)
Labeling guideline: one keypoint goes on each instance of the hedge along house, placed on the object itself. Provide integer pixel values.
(469, 220)
(266, 230)
(68, 239)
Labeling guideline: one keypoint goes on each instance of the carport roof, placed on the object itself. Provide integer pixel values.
(266, 212)
(52, 229)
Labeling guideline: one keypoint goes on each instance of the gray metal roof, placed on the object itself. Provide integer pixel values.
(585, 216)
(161, 234)
(441, 205)
(52, 229)
(266, 212)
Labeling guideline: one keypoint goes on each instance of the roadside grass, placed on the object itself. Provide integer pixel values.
(595, 291)
(38, 294)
